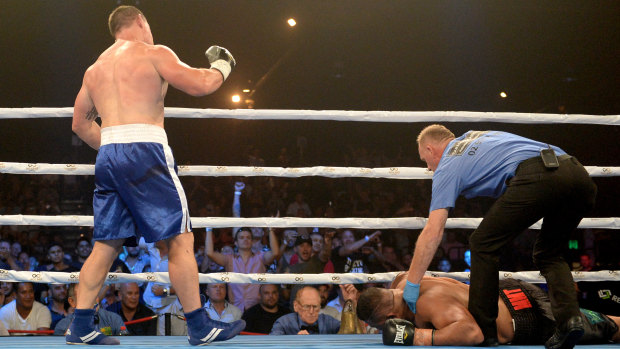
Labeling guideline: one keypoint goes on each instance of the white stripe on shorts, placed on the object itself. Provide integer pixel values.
(177, 183)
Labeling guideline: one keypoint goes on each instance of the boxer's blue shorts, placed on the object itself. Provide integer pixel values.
(137, 189)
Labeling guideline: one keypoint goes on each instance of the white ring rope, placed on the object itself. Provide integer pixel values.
(308, 279)
(296, 222)
(343, 115)
(249, 171)
(359, 223)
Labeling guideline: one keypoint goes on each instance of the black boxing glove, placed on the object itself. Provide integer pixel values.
(221, 59)
(398, 332)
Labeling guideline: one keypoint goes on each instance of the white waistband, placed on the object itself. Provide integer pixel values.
(133, 133)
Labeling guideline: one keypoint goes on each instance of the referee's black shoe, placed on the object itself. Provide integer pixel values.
(565, 337)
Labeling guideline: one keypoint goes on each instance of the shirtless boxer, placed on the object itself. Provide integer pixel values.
(442, 317)
(138, 192)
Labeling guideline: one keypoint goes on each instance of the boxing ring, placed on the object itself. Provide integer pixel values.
(337, 341)
(315, 341)
(239, 342)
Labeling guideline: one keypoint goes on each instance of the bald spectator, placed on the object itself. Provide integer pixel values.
(24, 313)
(130, 308)
(260, 318)
(306, 319)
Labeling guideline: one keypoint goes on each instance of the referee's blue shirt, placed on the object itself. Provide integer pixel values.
(479, 163)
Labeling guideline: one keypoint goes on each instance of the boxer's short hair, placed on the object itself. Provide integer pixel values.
(121, 17)
(373, 305)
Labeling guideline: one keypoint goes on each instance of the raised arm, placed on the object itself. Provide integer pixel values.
(215, 256)
(426, 246)
(193, 81)
(204, 265)
(274, 253)
(236, 206)
(347, 250)
(425, 249)
(326, 250)
(239, 186)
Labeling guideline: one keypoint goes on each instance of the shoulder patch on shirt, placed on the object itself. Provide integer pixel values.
(458, 148)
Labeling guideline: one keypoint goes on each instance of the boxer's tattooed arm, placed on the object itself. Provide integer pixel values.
(91, 114)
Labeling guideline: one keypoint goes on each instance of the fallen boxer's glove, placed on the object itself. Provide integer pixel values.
(398, 332)
(403, 332)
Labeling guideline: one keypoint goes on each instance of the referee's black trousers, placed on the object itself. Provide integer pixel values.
(561, 197)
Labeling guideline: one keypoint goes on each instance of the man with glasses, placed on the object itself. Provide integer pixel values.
(306, 319)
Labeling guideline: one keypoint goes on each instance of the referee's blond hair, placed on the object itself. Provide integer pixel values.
(437, 133)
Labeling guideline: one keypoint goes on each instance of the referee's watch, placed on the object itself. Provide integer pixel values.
(166, 291)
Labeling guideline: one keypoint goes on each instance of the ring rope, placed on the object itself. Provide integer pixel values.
(309, 279)
(254, 171)
(132, 322)
(215, 222)
(297, 222)
(343, 115)
(46, 332)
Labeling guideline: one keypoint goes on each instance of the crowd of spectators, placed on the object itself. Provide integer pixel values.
(37, 306)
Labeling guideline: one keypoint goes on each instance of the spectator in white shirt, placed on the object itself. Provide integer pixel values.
(24, 313)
